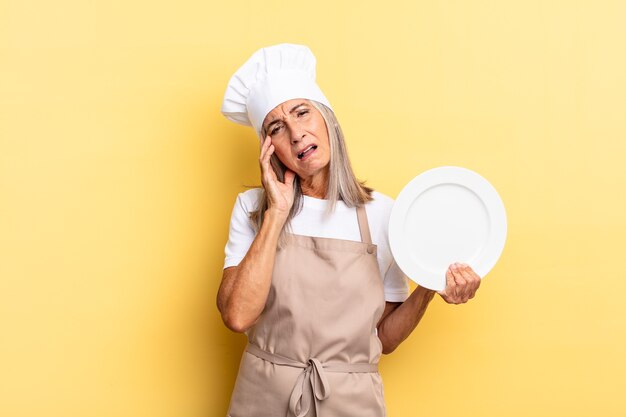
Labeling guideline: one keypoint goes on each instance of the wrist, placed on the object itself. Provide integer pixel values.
(426, 292)
(275, 218)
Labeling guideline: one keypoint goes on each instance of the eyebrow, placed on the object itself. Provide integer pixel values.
(273, 122)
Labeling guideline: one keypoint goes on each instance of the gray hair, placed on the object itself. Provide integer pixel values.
(342, 183)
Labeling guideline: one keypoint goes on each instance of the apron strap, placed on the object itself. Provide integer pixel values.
(312, 385)
(364, 227)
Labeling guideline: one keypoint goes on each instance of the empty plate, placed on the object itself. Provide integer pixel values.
(445, 215)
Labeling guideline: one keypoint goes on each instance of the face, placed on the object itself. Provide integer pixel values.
(300, 138)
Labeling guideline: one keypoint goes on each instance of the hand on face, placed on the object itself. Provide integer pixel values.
(280, 194)
(300, 137)
(461, 284)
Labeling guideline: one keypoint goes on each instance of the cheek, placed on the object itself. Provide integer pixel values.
(323, 136)
(322, 131)
(284, 155)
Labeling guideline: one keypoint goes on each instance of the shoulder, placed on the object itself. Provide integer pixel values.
(379, 209)
(380, 202)
(381, 198)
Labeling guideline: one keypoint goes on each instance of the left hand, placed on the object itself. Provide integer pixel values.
(461, 284)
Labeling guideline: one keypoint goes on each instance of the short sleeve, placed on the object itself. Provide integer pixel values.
(241, 233)
(396, 284)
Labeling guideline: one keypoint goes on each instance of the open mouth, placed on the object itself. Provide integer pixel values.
(307, 151)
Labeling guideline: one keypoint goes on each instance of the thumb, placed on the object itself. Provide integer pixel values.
(449, 283)
(289, 176)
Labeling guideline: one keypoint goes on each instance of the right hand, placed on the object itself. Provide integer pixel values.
(462, 282)
(280, 195)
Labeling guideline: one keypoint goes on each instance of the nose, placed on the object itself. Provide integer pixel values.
(297, 133)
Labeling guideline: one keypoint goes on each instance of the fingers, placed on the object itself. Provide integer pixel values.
(472, 279)
(455, 286)
(461, 283)
(450, 289)
(267, 149)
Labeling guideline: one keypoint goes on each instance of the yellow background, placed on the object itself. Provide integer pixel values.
(118, 175)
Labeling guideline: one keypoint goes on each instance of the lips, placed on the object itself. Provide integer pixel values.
(307, 151)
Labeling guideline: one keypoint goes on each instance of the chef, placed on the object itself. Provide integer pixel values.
(309, 276)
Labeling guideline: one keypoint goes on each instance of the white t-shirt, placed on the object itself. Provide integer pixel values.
(313, 220)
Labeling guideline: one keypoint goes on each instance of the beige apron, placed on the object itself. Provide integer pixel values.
(314, 350)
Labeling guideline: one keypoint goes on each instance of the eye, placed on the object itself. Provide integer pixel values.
(302, 112)
(275, 129)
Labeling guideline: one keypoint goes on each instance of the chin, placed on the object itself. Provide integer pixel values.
(313, 170)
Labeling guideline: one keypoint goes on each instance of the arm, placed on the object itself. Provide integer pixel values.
(399, 319)
(244, 288)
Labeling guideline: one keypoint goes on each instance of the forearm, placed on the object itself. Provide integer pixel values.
(244, 290)
(398, 325)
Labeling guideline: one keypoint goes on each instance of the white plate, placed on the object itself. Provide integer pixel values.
(445, 215)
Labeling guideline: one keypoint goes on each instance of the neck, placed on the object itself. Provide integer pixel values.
(315, 186)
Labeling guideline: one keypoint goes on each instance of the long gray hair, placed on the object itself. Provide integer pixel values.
(342, 183)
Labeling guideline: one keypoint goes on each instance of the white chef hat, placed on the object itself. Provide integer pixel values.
(270, 77)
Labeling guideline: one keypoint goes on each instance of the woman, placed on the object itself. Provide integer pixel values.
(309, 276)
